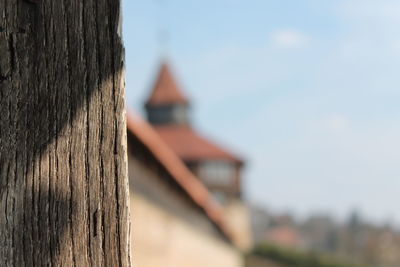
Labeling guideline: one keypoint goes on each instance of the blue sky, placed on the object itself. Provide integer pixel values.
(308, 91)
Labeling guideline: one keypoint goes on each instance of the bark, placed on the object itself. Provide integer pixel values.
(63, 174)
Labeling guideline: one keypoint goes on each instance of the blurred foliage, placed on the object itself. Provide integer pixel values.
(291, 257)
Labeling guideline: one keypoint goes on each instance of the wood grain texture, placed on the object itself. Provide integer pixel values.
(63, 172)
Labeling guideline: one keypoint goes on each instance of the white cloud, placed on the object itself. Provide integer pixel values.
(290, 38)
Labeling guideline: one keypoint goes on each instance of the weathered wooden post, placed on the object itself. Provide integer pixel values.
(63, 175)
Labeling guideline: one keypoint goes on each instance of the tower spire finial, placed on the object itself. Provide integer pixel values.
(162, 31)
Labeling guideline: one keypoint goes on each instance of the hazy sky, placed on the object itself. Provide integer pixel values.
(307, 90)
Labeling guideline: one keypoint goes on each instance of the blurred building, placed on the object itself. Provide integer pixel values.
(168, 110)
(352, 241)
(186, 202)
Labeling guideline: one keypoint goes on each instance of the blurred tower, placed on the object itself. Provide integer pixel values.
(168, 110)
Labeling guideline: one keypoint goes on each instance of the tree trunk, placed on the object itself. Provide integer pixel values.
(63, 174)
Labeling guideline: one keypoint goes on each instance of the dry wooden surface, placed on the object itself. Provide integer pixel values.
(63, 174)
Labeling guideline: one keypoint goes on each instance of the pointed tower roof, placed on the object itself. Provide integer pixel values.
(166, 90)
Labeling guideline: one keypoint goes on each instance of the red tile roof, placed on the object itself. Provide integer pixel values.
(190, 146)
(284, 236)
(178, 171)
(166, 89)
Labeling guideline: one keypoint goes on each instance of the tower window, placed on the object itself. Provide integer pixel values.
(218, 173)
(180, 113)
(168, 114)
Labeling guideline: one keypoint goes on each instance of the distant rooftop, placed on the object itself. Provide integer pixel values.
(190, 146)
(166, 90)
